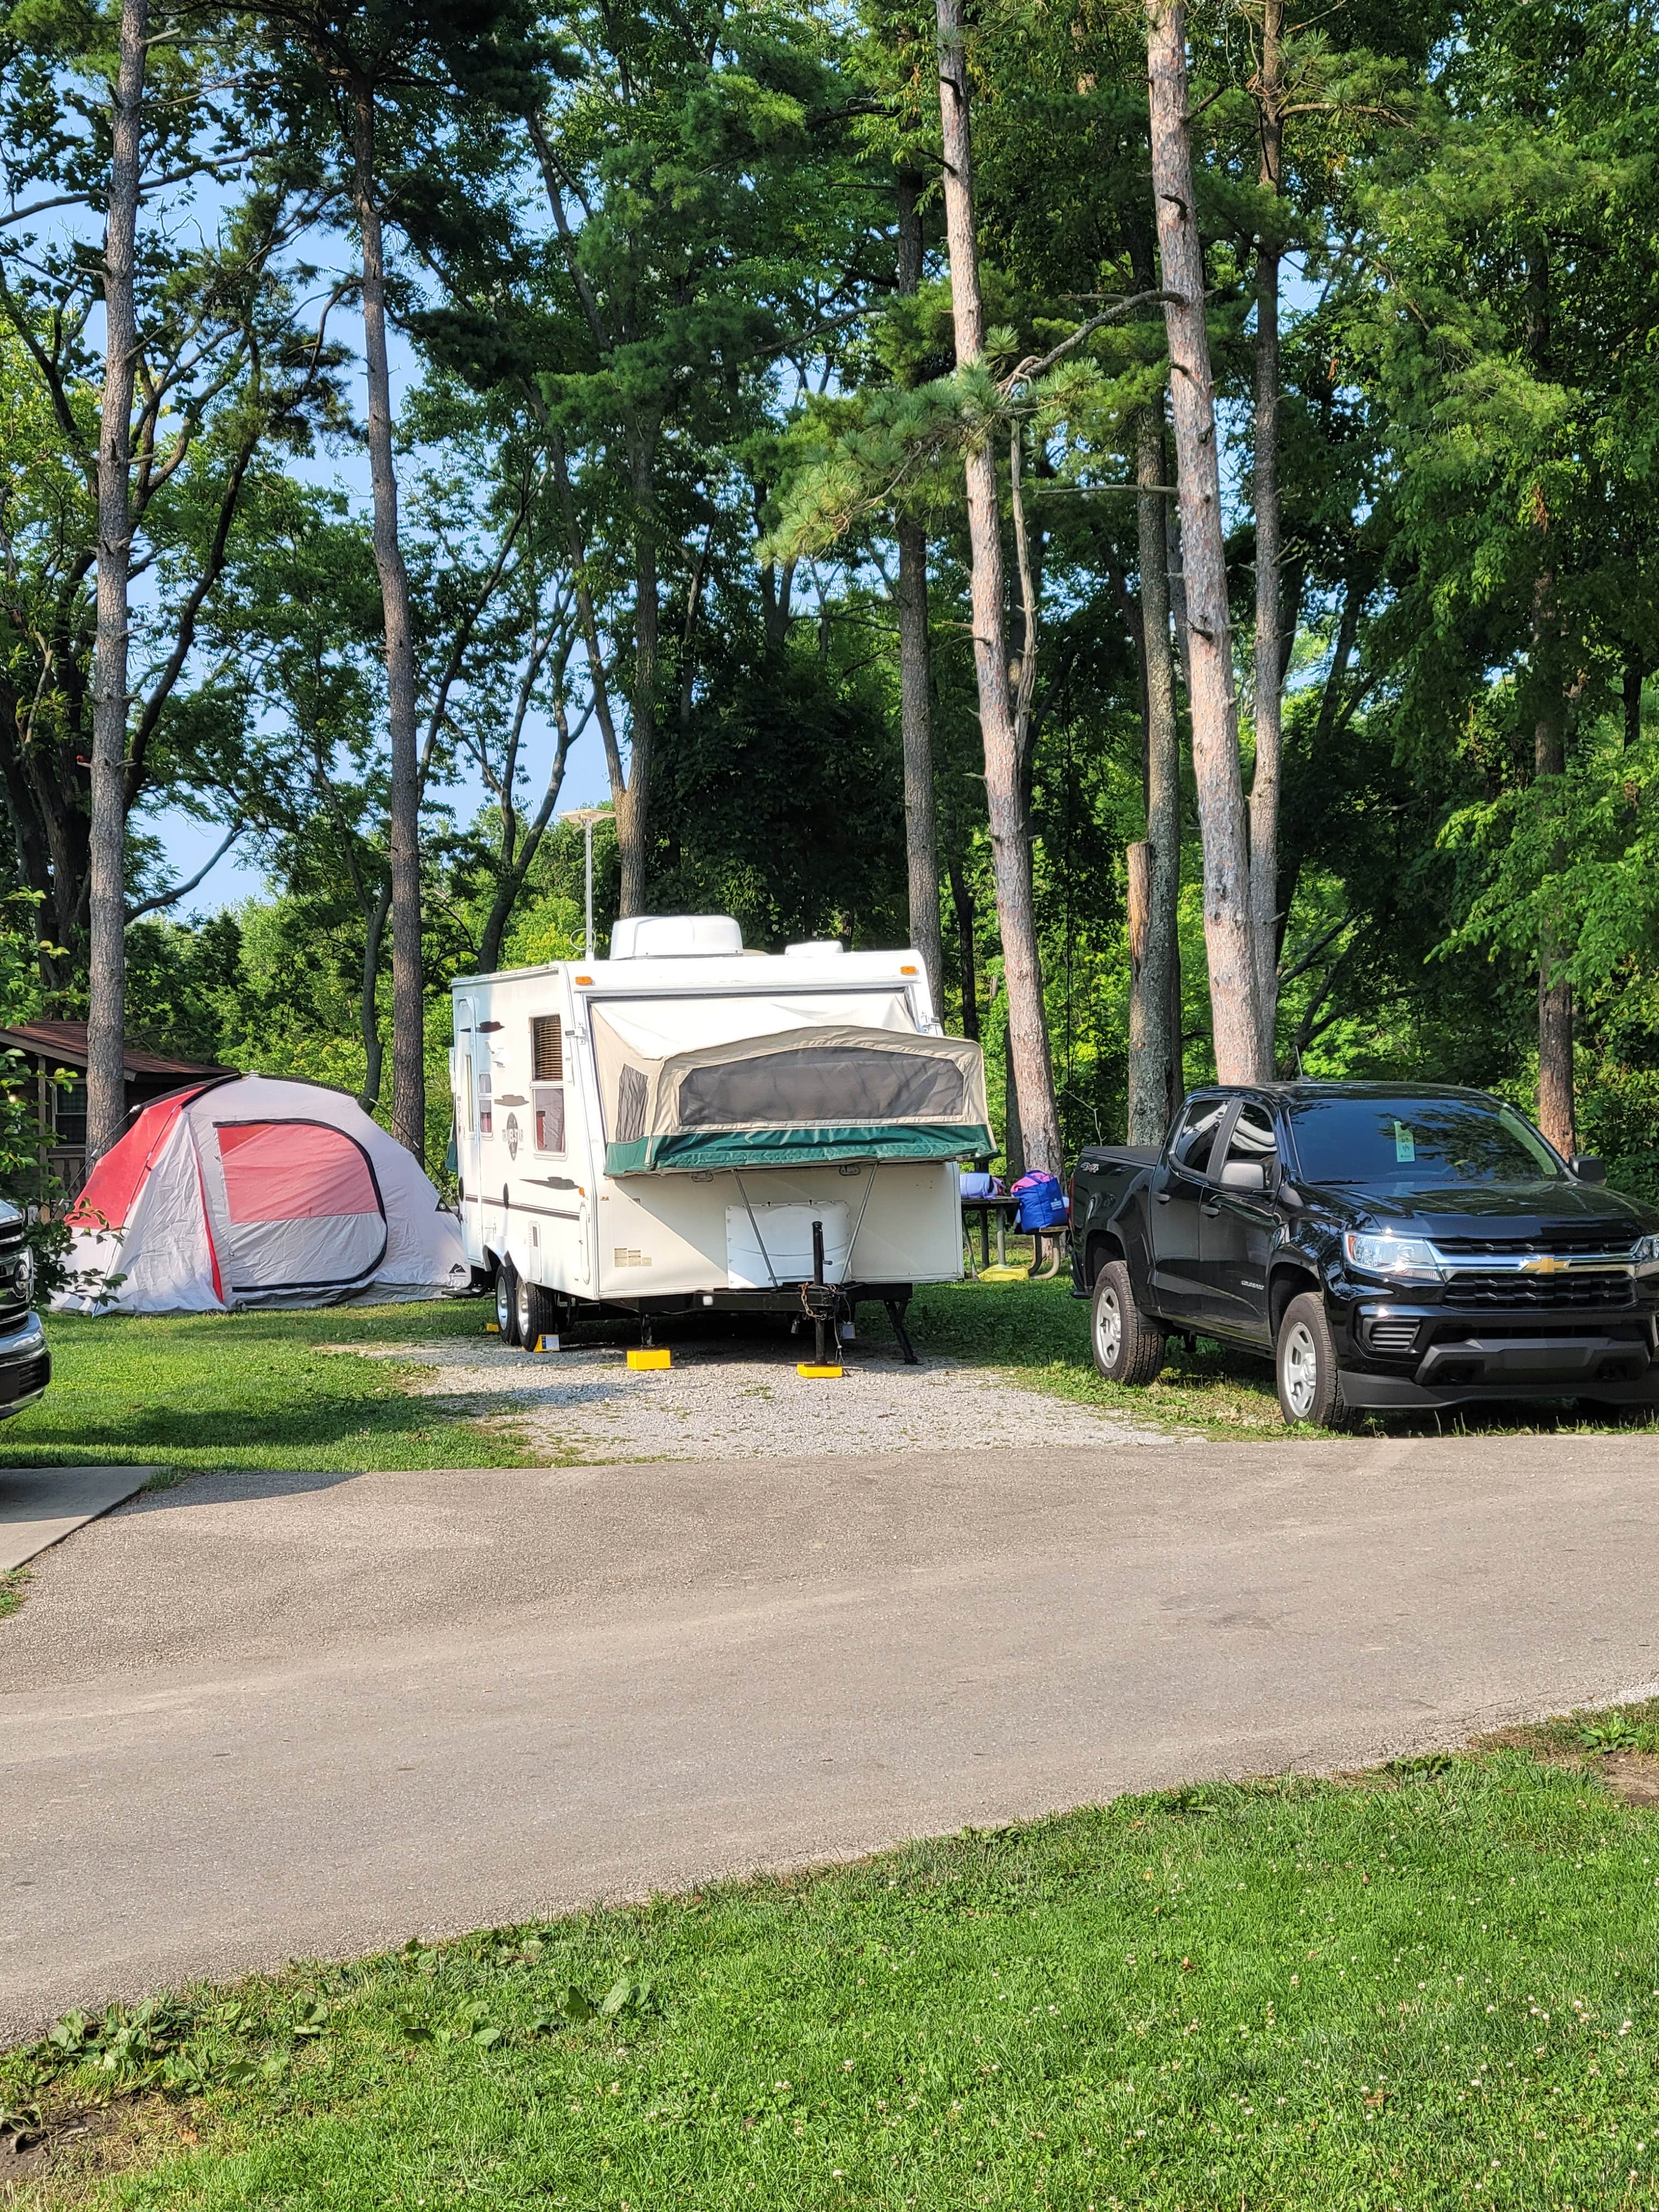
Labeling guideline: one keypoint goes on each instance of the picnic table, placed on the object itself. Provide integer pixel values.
(1002, 1209)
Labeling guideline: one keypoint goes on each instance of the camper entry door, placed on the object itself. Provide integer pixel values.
(474, 1107)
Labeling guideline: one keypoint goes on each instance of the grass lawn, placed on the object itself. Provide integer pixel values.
(1429, 1988)
(195, 1391)
(1040, 1332)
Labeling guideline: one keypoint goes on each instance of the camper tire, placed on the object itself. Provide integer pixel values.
(535, 1312)
(507, 1301)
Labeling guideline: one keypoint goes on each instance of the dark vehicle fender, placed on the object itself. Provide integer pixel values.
(1290, 1271)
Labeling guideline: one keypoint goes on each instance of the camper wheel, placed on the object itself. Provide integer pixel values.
(535, 1312)
(507, 1302)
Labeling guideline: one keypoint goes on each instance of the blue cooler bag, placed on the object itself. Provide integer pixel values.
(1041, 1203)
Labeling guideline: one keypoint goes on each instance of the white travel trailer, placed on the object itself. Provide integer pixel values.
(665, 1129)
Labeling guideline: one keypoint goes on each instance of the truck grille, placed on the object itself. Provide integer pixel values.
(1563, 1242)
(13, 1309)
(1547, 1293)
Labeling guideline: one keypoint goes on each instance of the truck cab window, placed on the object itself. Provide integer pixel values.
(1252, 1137)
(1196, 1136)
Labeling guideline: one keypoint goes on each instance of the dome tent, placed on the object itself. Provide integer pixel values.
(256, 1191)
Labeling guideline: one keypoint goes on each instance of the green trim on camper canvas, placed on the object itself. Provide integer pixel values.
(815, 1145)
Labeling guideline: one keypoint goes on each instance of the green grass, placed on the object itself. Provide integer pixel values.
(197, 1391)
(1039, 1333)
(1423, 1989)
(14, 1588)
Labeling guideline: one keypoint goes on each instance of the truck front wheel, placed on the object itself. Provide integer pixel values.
(1128, 1347)
(1309, 1382)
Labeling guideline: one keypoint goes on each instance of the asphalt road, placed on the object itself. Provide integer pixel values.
(266, 1716)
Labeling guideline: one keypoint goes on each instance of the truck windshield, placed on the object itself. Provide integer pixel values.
(1424, 1143)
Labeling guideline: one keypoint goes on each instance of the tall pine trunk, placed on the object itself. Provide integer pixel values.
(1011, 844)
(107, 909)
(632, 801)
(1155, 1076)
(1270, 656)
(916, 673)
(1556, 1116)
(1220, 791)
(407, 991)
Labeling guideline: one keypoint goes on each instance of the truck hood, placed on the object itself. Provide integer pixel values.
(1524, 1212)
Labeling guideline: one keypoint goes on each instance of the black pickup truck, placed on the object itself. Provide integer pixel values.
(1386, 1247)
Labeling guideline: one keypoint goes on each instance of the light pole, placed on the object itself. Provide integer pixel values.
(588, 816)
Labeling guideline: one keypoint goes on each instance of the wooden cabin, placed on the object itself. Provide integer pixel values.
(49, 1048)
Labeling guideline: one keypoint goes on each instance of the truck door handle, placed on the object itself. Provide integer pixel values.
(1162, 1196)
(1209, 1206)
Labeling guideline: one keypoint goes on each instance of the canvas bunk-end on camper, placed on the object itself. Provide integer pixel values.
(688, 1125)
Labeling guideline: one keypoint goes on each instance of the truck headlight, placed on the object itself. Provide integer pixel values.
(25, 1273)
(1401, 1259)
(1645, 1252)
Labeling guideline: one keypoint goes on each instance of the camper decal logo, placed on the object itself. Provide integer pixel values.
(511, 1132)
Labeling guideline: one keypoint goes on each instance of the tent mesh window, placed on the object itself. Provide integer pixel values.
(631, 1098)
(547, 1048)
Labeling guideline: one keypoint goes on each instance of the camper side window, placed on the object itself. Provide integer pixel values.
(486, 1104)
(549, 1117)
(547, 1048)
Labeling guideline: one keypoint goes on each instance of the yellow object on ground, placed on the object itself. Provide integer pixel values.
(492, 1328)
(639, 1358)
(817, 1374)
(545, 1343)
(1005, 1274)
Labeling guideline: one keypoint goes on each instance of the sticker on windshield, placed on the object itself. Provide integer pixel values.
(1404, 1144)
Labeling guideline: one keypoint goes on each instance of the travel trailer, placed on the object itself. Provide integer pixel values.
(686, 1124)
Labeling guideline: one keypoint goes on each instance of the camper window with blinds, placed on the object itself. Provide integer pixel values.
(660, 1130)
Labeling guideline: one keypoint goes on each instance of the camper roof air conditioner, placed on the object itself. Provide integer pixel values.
(814, 948)
(676, 937)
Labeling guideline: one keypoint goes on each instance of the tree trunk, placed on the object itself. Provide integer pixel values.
(633, 804)
(1215, 729)
(106, 1097)
(408, 989)
(916, 673)
(1155, 875)
(1013, 1135)
(368, 1005)
(1011, 844)
(1555, 1008)
(967, 948)
(1635, 677)
(1270, 656)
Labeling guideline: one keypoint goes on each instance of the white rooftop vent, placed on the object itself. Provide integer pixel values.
(676, 937)
(814, 948)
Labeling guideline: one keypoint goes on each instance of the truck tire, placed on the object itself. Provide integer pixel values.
(1309, 1381)
(506, 1300)
(534, 1313)
(1128, 1347)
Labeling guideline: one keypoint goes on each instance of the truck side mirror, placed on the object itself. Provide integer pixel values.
(1244, 1175)
(1586, 1168)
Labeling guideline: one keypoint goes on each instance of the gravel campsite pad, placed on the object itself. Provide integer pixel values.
(737, 1398)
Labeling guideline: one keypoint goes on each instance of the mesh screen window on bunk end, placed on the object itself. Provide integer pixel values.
(547, 1048)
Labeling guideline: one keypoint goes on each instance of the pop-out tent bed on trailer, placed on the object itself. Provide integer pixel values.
(256, 1191)
(661, 1130)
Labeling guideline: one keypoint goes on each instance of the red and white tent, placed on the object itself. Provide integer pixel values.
(257, 1192)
